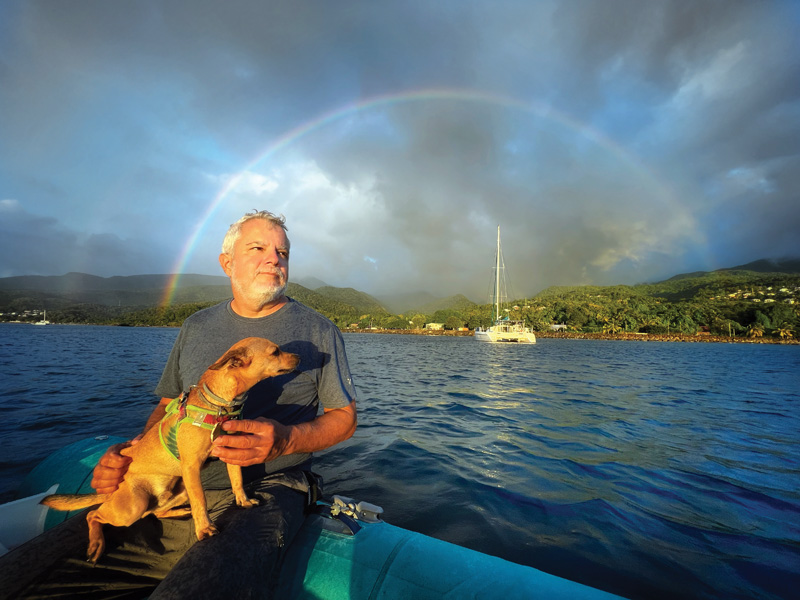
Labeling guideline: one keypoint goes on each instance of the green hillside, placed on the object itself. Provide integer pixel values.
(721, 302)
(53, 292)
(706, 285)
(362, 302)
(725, 302)
(337, 311)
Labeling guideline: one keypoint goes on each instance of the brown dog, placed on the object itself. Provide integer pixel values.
(156, 481)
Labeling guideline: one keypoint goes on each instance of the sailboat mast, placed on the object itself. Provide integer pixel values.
(497, 279)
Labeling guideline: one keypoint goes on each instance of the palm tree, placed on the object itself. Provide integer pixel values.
(612, 326)
(784, 331)
(755, 330)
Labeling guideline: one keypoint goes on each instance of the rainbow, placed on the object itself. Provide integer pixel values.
(424, 95)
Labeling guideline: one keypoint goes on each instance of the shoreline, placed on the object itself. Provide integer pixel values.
(571, 335)
(567, 335)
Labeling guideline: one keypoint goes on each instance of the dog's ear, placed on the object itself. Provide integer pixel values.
(237, 357)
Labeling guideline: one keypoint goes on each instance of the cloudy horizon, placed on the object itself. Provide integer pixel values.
(612, 142)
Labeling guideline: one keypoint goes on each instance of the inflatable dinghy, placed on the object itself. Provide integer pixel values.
(343, 552)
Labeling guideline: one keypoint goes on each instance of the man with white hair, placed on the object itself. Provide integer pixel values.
(279, 430)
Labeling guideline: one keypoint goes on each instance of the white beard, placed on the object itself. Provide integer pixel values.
(259, 294)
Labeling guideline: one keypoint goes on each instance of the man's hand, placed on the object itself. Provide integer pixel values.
(111, 468)
(263, 439)
(256, 441)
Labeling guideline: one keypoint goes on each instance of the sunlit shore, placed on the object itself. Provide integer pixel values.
(571, 335)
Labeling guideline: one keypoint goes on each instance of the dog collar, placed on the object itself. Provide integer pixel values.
(205, 393)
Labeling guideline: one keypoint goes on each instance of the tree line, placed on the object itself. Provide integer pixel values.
(731, 304)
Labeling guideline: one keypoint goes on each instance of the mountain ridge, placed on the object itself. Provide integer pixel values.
(58, 291)
(788, 265)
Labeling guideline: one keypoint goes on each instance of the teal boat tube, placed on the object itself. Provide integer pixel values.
(344, 551)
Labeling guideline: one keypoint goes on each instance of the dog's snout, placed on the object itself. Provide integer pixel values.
(292, 359)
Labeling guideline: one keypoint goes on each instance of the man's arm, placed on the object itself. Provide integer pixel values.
(265, 439)
(112, 466)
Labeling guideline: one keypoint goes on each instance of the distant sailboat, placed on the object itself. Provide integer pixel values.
(503, 329)
(44, 320)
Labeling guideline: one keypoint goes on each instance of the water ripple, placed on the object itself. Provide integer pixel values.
(648, 469)
(654, 470)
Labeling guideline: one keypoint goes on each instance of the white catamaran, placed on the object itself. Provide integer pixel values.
(44, 320)
(503, 329)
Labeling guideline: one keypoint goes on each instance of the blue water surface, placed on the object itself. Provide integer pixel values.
(652, 470)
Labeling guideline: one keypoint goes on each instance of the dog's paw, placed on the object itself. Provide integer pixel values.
(248, 502)
(94, 552)
(206, 532)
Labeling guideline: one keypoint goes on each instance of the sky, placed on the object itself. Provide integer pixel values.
(613, 142)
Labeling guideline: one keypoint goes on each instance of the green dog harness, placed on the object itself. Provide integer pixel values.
(211, 419)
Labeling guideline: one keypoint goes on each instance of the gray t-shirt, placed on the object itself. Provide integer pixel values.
(322, 377)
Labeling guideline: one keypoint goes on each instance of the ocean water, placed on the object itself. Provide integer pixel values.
(651, 470)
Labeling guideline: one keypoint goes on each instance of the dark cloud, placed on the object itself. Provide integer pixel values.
(36, 245)
(613, 142)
